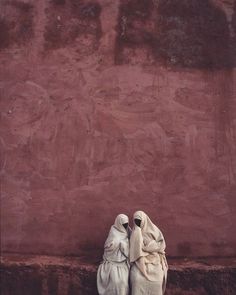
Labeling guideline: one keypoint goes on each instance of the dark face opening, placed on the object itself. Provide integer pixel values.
(125, 225)
(137, 222)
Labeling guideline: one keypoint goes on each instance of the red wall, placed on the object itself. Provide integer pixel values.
(112, 107)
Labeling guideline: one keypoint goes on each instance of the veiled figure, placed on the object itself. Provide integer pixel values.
(147, 254)
(113, 272)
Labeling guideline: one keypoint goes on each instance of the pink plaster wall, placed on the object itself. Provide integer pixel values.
(114, 106)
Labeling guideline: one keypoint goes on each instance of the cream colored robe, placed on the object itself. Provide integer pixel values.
(113, 272)
(147, 253)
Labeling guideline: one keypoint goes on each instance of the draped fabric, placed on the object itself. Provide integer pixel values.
(113, 272)
(147, 253)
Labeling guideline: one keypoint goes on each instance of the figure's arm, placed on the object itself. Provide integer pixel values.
(152, 246)
(109, 245)
(155, 245)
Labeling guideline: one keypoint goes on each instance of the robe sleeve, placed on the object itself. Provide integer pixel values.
(156, 245)
(109, 246)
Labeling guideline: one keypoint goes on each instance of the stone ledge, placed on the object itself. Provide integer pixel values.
(50, 275)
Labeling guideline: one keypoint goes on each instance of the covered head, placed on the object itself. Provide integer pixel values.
(146, 224)
(120, 220)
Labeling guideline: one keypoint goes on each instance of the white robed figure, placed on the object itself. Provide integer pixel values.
(147, 254)
(113, 272)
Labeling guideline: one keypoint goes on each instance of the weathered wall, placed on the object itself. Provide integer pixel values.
(113, 106)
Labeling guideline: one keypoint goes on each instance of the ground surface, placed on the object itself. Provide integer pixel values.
(45, 275)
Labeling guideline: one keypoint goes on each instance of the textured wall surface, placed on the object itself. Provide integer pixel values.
(113, 106)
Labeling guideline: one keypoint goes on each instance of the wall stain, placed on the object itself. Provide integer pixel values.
(69, 21)
(191, 34)
(16, 25)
